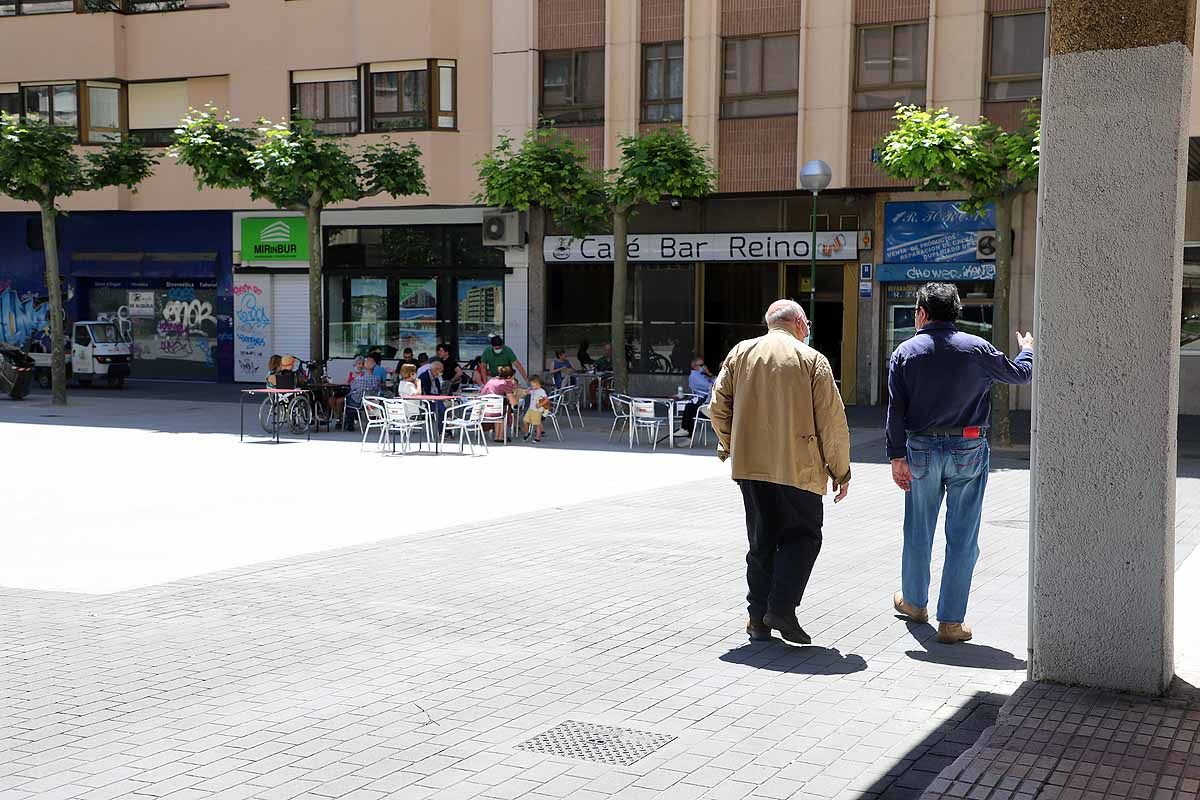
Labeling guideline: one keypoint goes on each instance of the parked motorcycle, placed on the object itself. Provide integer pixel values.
(16, 372)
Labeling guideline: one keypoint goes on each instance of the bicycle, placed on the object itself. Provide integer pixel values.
(292, 410)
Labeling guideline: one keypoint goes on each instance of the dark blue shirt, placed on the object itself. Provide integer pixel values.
(941, 378)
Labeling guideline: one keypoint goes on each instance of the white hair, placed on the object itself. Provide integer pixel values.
(783, 312)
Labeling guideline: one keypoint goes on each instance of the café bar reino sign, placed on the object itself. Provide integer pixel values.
(274, 239)
(831, 246)
(937, 241)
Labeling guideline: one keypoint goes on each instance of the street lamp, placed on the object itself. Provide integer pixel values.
(815, 176)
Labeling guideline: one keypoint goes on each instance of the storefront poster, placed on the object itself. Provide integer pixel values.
(252, 324)
(688, 247)
(933, 232)
(418, 314)
(480, 314)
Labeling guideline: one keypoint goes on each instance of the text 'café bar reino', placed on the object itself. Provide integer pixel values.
(831, 246)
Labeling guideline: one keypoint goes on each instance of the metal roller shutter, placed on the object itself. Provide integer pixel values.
(291, 315)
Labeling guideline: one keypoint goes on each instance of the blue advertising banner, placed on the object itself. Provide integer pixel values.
(920, 273)
(932, 232)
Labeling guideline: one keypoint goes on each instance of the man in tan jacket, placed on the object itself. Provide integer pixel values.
(777, 413)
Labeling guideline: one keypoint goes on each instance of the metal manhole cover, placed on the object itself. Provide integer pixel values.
(1019, 524)
(601, 743)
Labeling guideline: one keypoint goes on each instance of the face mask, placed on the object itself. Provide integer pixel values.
(497, 350)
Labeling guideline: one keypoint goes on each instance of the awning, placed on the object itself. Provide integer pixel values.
(143, 265)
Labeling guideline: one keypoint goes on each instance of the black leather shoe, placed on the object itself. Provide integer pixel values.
(758, 631)
(788, 627)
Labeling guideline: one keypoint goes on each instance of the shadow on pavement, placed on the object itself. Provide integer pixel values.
(963, 654)
(779, 656)
(916, 770)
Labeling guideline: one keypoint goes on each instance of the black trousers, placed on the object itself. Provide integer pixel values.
(783, 525)
(689, 415)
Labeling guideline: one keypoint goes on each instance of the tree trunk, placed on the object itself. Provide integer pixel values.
(1001, 335)
(316, 332)
(620, 269)
(58, 356)
(536, 333)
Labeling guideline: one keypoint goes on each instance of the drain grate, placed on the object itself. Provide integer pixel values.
(601, 743)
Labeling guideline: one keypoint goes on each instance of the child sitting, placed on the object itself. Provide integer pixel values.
(538, 403)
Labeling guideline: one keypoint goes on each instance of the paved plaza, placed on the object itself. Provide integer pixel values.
(190, 617)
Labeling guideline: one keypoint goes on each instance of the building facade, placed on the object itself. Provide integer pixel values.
(765, 85)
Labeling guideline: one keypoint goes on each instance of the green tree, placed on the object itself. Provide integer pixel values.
(39, 163)
(937, 152)
(295, 169)
(545, 174)
(666, 163)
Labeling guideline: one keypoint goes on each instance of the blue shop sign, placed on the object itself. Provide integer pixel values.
(917, 273)
(932, 232)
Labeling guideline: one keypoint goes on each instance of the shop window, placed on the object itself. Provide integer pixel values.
(329, 98)
(662, 82)
(573, 86)
(381, 313)
(104, 112)
(891, 63)
(10, 99)
(155, 111)
(10, 8)
(736, 296)
(56, 103)
(660, 315)
(1015, 50)
(761, 76)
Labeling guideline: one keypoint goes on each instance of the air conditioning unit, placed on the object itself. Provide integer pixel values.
(985, 245)
(502, 228)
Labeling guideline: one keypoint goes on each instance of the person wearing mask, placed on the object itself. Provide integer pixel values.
(356, 370)
(778, 415)
(500, 355)
(939, 405)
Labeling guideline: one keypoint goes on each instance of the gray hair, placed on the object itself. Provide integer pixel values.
(783, 312)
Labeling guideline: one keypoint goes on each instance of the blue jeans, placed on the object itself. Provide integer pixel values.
(956, 469)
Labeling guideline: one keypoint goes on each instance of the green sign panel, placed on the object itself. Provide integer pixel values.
(274, 239)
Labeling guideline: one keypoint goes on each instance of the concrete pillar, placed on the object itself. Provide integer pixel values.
(1107, 294)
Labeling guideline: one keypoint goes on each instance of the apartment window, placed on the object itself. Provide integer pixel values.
(10, 99)
(155, 110)
(56, 103)
(403, 95)
(9, 8)
(573, 86)
(662, 82)
(761, 76)
(1015, 56)
(891, 66)
(327, 97)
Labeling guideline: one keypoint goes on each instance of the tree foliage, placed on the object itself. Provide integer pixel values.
(937, 152)
(290, 164)
(663, 163)
(547, 171)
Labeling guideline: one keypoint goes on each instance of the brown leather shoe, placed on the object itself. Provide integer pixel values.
(757, 631)
(788, 627)
(952, 632)
(907, 609)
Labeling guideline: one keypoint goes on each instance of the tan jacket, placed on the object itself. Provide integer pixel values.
(777, 412)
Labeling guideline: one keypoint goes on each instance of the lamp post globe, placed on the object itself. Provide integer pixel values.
(815, 176)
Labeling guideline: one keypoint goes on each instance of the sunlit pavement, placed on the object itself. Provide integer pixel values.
(189, 616)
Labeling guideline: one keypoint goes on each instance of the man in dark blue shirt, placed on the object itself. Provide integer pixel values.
(939, 385)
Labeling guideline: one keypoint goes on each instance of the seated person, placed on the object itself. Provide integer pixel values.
(406, 357)
(586, 363)
(605, 363)
(504, 386)
(407, 384)
(365, 385)
(356, 370)
(452, 373)
(700, 383)
(500, 355)
(432, 382)
(273, 364)
(560, 367)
